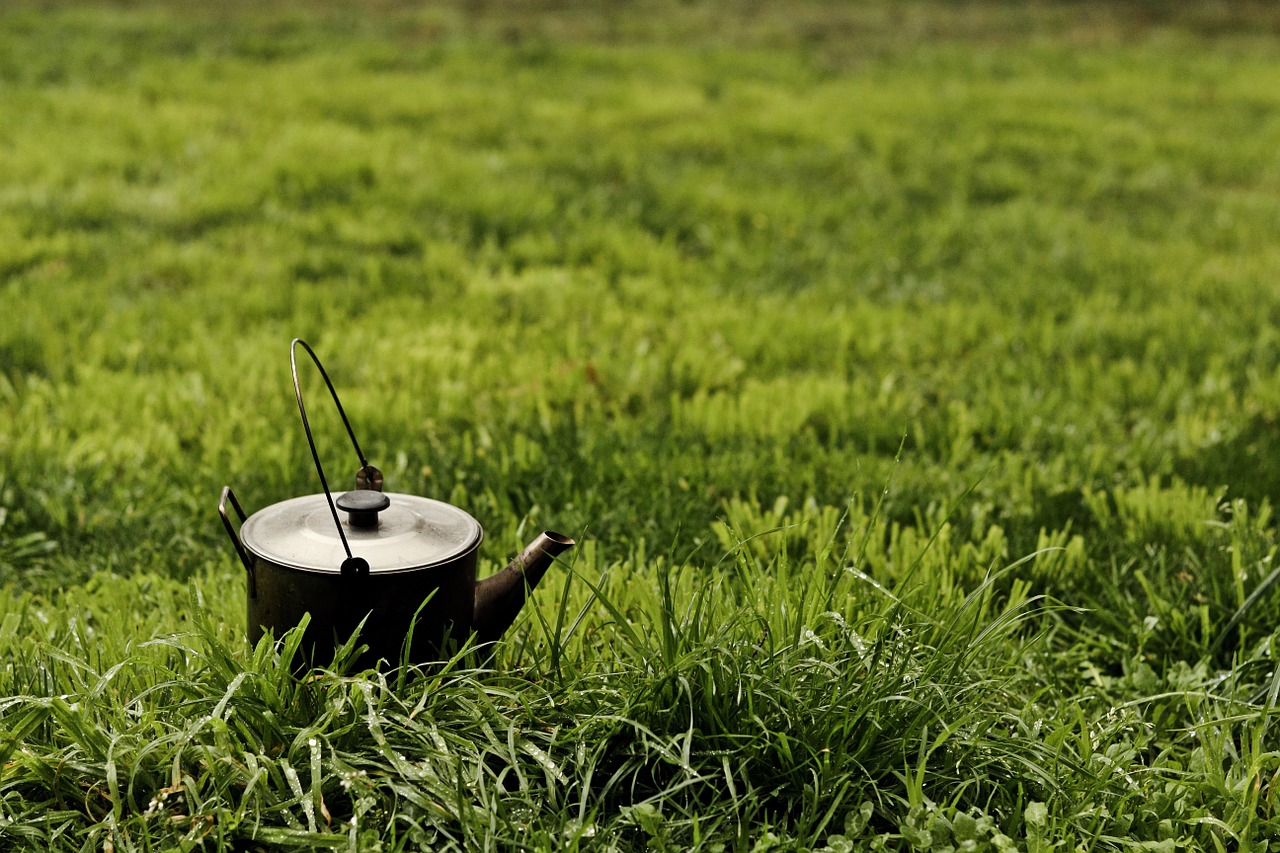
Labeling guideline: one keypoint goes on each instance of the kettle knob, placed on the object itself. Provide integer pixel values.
(362, 506)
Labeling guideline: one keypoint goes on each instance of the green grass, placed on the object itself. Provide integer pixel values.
(909, 372)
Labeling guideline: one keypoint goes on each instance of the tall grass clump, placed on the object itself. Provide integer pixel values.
(768, 701)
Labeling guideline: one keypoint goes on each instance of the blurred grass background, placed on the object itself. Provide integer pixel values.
(654, 257)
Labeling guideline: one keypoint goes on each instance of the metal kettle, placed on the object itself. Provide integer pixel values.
(403, 565)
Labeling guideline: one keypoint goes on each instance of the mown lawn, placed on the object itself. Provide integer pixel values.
(909, 372)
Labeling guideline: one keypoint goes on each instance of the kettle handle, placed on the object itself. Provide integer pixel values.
(227, 494)
(352, 566)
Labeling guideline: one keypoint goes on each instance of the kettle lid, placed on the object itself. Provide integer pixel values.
(410, 533)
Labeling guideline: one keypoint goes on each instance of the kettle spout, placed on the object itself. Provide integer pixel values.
(500, 596)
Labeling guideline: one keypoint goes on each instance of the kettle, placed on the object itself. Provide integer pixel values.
(403, 565)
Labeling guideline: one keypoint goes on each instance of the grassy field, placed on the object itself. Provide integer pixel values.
(909, 372)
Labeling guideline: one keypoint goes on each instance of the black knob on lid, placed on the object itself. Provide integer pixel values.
(362, 506)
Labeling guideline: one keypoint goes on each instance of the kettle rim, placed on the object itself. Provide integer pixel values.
(299, 533)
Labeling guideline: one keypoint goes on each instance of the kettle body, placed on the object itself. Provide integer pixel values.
(415, 597)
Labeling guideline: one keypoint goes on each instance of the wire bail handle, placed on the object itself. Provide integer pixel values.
(368, 477)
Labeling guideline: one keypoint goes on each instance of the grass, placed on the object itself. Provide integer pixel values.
(908, 371)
